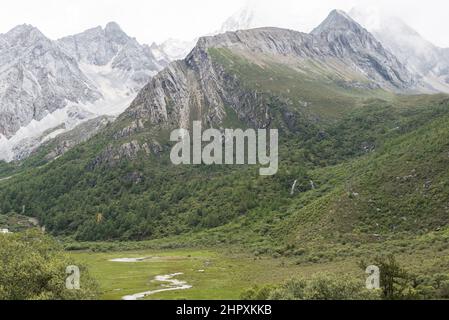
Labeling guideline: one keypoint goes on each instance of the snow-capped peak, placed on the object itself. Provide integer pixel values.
(113, 26)
(24, 35)
(114, 33)
(23, 29)
(48, 87)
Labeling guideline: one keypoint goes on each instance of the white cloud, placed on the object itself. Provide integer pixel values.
(151, 20)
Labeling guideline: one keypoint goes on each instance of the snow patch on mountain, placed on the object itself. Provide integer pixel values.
(28, 138)
(116, 85)
(37, 78)
(50, 87)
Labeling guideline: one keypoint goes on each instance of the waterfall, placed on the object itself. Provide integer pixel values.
(293, 187)
(312, 184)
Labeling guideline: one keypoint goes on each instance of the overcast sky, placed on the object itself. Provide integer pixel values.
(150, 20)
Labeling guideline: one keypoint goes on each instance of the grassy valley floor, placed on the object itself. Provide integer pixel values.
(225, 273)
(211, 274)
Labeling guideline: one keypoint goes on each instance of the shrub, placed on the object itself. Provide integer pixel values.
(318, 287)
(33, 267)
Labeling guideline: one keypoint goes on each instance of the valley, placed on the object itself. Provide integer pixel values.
(228, 272)
(363, 147)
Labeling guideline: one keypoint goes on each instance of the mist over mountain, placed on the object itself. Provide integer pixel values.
(241, 20)
(176, 49)
(425, 60)
(420, 56)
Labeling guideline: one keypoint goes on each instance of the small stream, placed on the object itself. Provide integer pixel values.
(172, 285)
(168, 281)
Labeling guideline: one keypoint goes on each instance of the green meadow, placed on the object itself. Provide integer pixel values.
(211, 274)
(226, 273)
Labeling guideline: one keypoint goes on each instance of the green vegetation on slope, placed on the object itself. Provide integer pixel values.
(33, 267)
(371, 176)
(341, 167)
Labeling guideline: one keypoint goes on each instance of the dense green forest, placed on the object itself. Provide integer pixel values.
(150, 198)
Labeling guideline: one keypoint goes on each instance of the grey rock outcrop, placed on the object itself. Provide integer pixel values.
(36, 78)
(52, 86)
(348, 40)
(420, 56)
(197, 86)
(113, 47)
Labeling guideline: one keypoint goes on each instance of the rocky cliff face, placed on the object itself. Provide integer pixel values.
(96, 46)
(112, 47)
(348, 40)
(49, 87)
(37, 78)
(198, 87)
(62, 143)
(420, 56)
(195, 88)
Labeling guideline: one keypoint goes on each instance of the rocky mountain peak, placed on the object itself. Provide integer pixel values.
(339, 44)
(113, 27)
(348, 39)
(37, 78)
(22, 29)
(48, 87)
(339, 36)
(112, 46)
(96, 46)
(266, 40)
(24, 35)
(114, 33)
(338, 21)
(416, 53)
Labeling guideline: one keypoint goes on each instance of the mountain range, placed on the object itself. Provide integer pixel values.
(349, 114)
(420, 56)
(339, 50)
(49, 87)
